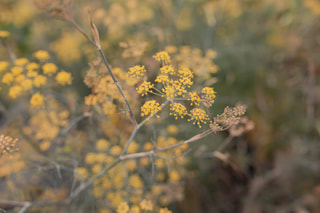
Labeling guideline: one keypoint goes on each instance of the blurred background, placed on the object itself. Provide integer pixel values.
(264, 54)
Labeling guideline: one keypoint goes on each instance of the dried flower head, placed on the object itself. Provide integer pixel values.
(230, 117)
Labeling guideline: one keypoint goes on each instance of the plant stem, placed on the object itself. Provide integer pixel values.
(132, 118)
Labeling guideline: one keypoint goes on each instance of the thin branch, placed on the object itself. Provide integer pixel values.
(191, 140)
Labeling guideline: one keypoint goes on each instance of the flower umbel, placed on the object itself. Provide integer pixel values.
(136, 72)
(178, 110)
(162, 57)
(144, 88)
(150, 107)
(198, 116)
(37, 100)
(123, 208)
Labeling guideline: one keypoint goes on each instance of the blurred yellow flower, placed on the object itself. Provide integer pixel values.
(7, 78)
(39, 80)
(135, 181)
(41, 55)
(15, 91)
(102, 145)
(123, 208)
(21, 61)
(3, 65)
(37, 100)
(64, 78)
(4, 34)
(49, 69)
(16, 70)
(146, 205)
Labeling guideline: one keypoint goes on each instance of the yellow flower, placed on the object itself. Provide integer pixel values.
(19, 78)
(96, 168)
(172, 129)
(102, 145)
(165, 210)
(26, 84)
(162, 79)
(144, 88)
(3, 65)
(167, 69)
(134, 209)
(31, 73)
(194, 98)
(150, 107)
(109, 108)
(7, 78)
(82, 173)
(123, 207)
(115, 150)
(41, 55)
(211, 54)
(64, 78)
(90, 158)
(178, 110)
(135, 181)
(90, 100)
(133, 147)
(162, 57)
(39, 80)
(15, 91)
(32, 66)
(37, 100)
(146, 205)
(49, 69)
(16, 70)
(148, 146)
(21, 61)
(4, 34)
(174, 176)
(208, 94)
(7, 145)
(45, 145)
(171, 49)
(131, 165)
(198, 116)
(136, 72)
(144, 161)
(159, 163)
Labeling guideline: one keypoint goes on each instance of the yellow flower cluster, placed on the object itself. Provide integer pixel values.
(7, 145)
(203, 66)
(11, 164)
(150, 108)
(136, 71)
(45, 124)
(4, 34)
(198, 116)
(145, 206)
(24, 76)
(174, 85)
(104, 93)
